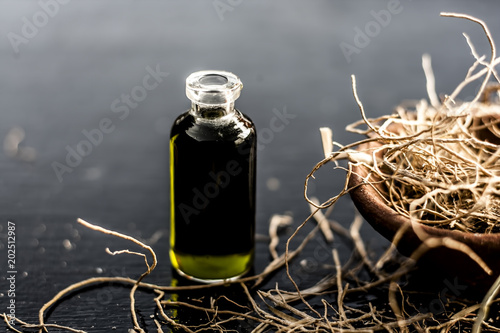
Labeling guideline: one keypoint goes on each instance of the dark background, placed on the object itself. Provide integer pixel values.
(64, 77)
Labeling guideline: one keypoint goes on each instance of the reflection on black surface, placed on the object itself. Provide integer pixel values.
(227, 300)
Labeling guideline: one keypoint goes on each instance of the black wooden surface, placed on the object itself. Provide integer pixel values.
(64, 79)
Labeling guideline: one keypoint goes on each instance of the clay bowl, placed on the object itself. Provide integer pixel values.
(450, 263)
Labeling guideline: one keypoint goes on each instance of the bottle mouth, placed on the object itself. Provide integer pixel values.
(212, 87)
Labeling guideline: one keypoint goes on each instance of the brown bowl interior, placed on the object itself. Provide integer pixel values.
(452, 263)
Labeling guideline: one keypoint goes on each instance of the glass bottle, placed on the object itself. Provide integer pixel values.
(212, 174)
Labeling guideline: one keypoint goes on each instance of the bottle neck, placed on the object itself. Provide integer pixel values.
(212, 112)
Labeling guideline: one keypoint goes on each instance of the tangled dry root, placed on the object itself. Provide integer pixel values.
(439, 162)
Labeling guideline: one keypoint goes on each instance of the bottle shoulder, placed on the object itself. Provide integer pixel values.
(235, 128)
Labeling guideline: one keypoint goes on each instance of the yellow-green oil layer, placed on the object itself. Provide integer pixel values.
(212, 267)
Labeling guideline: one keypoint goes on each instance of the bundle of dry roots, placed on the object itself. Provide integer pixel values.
(439, 162)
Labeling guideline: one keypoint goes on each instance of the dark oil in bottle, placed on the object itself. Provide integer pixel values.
(212, 170)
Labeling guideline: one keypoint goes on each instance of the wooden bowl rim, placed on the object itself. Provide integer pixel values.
(363, 193)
